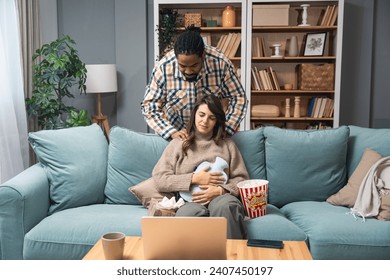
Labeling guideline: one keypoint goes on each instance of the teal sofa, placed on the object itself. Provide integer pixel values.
(60, 207)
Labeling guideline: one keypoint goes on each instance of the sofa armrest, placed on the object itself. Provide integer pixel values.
(24, 202)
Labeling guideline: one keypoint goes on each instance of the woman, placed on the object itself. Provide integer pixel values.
(206, 141)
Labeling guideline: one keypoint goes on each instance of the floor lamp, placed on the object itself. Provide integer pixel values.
(101, 78)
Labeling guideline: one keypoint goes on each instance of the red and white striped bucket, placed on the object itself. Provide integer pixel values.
(254, 197)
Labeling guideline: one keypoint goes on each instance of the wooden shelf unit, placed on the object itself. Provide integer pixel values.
(286, 67)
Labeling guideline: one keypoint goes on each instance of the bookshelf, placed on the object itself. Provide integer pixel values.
(284, 67)
(324, 17)
(211, 10)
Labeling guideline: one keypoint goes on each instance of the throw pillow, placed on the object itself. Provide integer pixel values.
(384, 210)
(305, 165)
(146, 190)
(75, 162)
(348, 194)
(131, 159)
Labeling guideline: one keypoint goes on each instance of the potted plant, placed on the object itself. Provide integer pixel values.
(55, 76)
(167, 30)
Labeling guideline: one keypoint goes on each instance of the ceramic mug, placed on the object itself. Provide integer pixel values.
(113, 245)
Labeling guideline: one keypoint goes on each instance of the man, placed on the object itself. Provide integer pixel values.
(188, 72)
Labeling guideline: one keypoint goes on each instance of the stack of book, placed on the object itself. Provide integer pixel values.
(321, 107)
(229, 43)
(258, 47)
(330, 16)
(264, 79)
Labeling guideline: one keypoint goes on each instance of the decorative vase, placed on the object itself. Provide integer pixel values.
(229, 17)
(293, 49)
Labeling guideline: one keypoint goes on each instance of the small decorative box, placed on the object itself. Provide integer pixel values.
(193, 19)
(265, 15)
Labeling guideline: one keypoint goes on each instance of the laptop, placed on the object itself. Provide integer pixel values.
(184, 238)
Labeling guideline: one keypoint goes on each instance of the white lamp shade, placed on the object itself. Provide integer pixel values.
(101, 78)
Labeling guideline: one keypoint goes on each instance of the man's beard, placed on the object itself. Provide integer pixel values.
(191, 78)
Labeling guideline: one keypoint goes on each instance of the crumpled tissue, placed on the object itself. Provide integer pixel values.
(171, 203)
(165, 207)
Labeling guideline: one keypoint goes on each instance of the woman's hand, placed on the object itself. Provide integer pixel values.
(207, 194)
(204, 177)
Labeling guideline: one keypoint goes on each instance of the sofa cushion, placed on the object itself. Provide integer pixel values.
(361, 138)
(75, 162)
(305, 165)
(251, 146)
(71, 233)
(348, 194)
(131, 159)
(335, 235)
(146, 190)
(273, 226)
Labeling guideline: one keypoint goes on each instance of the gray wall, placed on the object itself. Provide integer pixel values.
(380, 111)
(111, 31)
(120, 31)
(366, 64)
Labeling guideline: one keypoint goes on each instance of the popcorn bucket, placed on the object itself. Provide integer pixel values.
(254, 197)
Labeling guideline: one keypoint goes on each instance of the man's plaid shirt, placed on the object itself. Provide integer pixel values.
(169, 98)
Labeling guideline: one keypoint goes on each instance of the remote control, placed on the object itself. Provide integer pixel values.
(277, 244)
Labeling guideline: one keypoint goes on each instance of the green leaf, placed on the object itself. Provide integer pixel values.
(57, 74)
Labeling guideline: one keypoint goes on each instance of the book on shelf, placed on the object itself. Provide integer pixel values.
(264, 79)
(221, 41)
(255, 82)
(206, 38)
(330, 16)
(226, 42)
(320, 107)
(229, 43)
(258, 47)
(317, 107)
(235, 45)
(311, 106)
(334, 17)
(262, 45)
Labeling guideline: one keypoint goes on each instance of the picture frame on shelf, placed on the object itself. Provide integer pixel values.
(314, 44)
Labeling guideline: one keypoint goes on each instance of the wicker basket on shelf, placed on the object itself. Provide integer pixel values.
(194, 19)
(316, 76)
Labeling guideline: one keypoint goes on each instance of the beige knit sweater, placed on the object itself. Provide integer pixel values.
(173, 172)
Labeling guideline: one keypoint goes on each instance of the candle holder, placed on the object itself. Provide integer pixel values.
(287, 112)
(304, 15)
(297, 107)
(276, 50)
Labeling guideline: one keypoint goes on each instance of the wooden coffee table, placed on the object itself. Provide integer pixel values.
(236, 250)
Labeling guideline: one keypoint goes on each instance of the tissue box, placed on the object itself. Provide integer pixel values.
(153, 210)
(266, 15)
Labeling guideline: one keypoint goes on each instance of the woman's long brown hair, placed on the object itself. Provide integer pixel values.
(215, 106)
